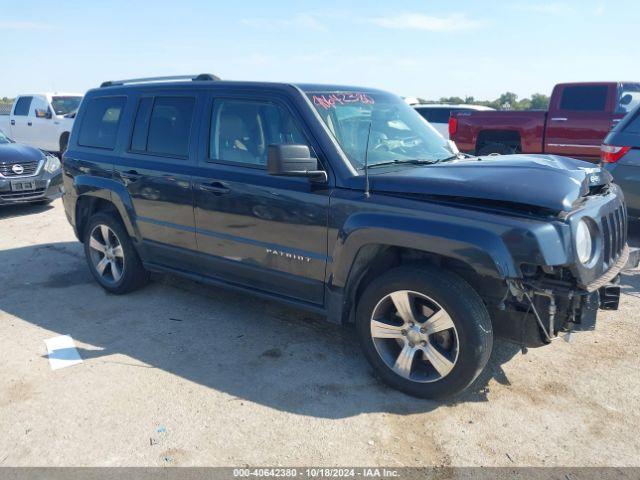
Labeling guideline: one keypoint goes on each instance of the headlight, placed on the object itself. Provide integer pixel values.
(584, 242)
(52, 165)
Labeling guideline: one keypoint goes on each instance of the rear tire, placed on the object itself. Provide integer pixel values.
(111, 256)
(424, 330)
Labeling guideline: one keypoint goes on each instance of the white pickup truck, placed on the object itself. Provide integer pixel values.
(42, 120)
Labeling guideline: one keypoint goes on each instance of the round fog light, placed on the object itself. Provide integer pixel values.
(584, 242)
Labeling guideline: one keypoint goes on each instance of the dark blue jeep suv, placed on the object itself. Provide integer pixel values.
(344, 201)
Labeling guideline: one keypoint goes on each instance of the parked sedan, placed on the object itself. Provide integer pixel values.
(27, 174)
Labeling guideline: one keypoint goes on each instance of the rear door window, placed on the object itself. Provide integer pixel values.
(169, 126)
(100, 122)
(22, 106)
(585, 98)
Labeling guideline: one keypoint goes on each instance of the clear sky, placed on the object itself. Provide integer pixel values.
(427, 48)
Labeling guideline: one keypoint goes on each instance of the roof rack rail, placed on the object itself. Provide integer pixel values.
(196, 78)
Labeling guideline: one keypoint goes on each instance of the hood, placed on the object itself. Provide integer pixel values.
(17, 152)
(545, 181)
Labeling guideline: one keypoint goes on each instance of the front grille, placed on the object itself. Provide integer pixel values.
(614, 233)
(38, 192)
(6, 169)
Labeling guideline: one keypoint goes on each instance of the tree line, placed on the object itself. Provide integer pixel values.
(506, 101)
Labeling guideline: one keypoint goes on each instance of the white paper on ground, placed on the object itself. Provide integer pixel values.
(62, 352)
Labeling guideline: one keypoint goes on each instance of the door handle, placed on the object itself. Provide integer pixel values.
(29, 123)
(130, 176)
(13, 122)
(217, 188)
(559, 119)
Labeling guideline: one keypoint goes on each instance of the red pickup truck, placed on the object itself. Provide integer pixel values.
(580, 116)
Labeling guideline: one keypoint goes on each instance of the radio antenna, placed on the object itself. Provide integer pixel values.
(367, 194)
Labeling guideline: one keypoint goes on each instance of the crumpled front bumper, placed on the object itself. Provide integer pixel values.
(533, 314)
(628, 259)
(604, 293)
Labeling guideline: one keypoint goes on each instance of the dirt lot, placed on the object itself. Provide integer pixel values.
(183, 374)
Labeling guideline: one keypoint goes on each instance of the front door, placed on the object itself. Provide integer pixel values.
(579, 120)
(157, 169)
(257, 230)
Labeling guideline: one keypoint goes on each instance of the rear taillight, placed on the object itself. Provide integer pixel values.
(611, 153)
(453, 126)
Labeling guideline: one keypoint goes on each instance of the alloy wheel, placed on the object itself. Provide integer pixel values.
(414, 336)
(107, 255)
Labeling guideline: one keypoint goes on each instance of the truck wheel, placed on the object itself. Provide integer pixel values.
(496, 149)
(112, 259)
(425, 331)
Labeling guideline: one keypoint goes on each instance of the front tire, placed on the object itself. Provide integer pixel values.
(111, 256)
(424, 330)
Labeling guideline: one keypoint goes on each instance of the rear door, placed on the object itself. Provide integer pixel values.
(254, 229)
(21, 123)
(156, 170)
(579, 118)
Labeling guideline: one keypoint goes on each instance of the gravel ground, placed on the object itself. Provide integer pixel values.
(184, 374)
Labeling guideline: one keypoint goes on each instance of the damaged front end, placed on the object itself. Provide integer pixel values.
(552, 299)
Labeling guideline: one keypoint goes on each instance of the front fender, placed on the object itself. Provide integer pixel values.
(483, 249)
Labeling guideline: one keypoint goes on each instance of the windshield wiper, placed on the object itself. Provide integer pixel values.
(404, 162)
(457, 156)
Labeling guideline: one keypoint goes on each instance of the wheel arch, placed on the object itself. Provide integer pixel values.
(98, 194)
(478, 256)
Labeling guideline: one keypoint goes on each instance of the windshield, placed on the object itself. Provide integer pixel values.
(3, 138)
(64, 105)
(398, 132)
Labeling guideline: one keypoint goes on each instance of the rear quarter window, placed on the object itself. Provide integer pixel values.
(440, 115)
(100, 122)
(585, 98)
(425, 113)
(435, 115)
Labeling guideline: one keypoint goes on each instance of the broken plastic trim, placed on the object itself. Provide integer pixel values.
(519, 291)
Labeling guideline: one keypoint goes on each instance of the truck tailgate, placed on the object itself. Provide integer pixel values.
(528, 126)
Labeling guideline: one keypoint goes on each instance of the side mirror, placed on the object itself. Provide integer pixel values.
(42, 113)
(293, 161)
